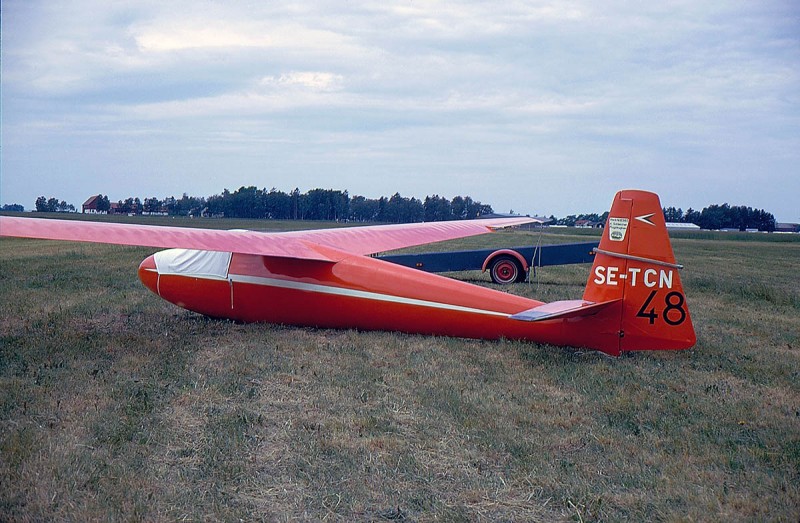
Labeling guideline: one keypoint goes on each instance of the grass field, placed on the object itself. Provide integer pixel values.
(116, 405)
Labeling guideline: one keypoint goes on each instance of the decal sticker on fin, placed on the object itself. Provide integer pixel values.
(617, 227)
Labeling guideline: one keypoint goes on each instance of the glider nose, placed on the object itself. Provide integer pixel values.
(148, 273)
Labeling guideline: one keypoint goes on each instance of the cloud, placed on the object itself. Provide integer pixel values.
(314, 80)
(197, 37)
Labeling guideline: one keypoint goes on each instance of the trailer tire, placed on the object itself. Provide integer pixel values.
(506, 269)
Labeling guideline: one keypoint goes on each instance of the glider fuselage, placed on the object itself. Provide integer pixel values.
(362, 293)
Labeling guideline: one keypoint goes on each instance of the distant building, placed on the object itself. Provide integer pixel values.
(90, 206)
(131, 209)
(161, 211)
(787, 227)
(588, 224)
(677, 226)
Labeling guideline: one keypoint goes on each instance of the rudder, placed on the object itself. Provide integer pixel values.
(635, 263)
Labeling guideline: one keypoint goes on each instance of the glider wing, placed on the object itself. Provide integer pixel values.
(380, 238)
(320, 244)
(245, 242)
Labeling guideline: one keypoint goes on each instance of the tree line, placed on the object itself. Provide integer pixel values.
(572, 219)
(723, 217)
(316, 204)
(53, 205)
(336, 205)
(713, 217)
(320, 204)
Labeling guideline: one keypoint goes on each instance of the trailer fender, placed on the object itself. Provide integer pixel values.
(510, 256)
(511, 252)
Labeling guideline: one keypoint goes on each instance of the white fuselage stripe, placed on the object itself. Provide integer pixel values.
(353, 293)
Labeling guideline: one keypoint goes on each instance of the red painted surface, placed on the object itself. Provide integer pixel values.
(387, 297)
(634, 283)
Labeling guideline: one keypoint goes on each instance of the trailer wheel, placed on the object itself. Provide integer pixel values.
(505, 269)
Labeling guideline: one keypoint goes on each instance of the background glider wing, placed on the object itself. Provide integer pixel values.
(320, 244)
(372, 239)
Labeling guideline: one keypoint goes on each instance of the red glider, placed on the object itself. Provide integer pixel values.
(325, 278)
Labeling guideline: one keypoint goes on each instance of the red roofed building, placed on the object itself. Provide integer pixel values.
(97, 204)
(90, 206)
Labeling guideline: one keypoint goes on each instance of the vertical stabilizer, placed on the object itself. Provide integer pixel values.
(635, 263)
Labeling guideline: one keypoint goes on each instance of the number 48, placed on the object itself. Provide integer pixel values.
(673, 301)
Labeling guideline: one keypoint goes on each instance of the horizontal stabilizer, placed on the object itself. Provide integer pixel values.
(562, 309)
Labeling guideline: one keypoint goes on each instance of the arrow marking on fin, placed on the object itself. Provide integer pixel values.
(646, 218)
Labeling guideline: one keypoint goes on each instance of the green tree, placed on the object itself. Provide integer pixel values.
(41, 204)
(278, 204)
(151, 205)
(295, 202)
(436, 208)
(363, 209)
(671, 214)
(103, 204)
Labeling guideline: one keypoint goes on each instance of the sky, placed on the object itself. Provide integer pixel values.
(540, 107)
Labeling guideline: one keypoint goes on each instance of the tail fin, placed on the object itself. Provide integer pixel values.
(635, 263)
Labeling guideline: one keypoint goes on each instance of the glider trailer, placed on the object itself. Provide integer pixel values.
(505, 266)
(633, 299)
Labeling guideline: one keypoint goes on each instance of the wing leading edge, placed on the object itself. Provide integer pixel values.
(318, 244)
(372, 239)
(245, 242)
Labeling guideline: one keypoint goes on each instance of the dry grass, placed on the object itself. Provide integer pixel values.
(115, 405)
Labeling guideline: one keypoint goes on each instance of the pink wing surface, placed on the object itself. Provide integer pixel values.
(245, 242)
(318, 244)
(380, 238)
